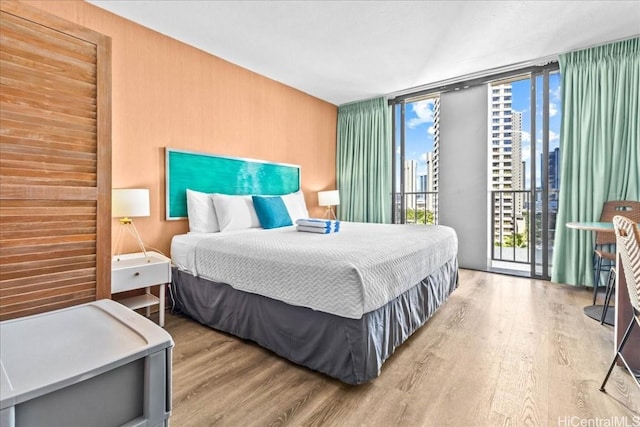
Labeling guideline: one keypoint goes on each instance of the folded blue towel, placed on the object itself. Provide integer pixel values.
(319, 230)
(315, 222)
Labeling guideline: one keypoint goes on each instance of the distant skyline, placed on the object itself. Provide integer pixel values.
(419, 125)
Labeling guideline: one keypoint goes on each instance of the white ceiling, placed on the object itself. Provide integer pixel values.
(343, 51)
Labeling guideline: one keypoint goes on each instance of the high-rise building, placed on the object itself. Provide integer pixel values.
(436, 142)
(422, 183)
(410, 178)
(554, 169)
(429, 187)
(507, 173)
(554, 180)
(516, 165)
(421, 189)
(433, 168)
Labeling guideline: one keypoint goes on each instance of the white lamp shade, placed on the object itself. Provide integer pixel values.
(127, 202)
(329, 198)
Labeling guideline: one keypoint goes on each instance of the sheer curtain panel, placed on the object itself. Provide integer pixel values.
(364, 161)
(600, 146)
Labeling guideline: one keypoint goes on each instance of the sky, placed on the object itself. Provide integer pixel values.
(419, 123)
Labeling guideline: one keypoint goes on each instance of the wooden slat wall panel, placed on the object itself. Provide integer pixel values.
(54, 162)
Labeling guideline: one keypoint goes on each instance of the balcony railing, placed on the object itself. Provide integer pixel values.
(419, 207)
(510, 213)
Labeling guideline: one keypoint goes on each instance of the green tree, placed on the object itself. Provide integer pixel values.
(419, 216)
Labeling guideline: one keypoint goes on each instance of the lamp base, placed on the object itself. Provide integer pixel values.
(128, 225)
(328, 213)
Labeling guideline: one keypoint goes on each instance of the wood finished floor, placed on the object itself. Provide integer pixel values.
(503, 351)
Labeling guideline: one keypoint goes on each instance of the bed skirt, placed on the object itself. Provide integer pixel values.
(351, 350)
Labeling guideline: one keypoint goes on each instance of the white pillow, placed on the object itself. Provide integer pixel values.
(295, 205)
(235, 212)
(201, 212)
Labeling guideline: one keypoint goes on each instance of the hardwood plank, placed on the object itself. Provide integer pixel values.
(28, 216)
(37, 281)
(47, 304)
(40, 226)
(74, 250)
(46, 112)
(51, 207)
(46, 241)
(47, 164)
(48, 121)
(39, 35)
(28, 141)
(18, 177)
(18, 156)
(61, 229)
(502, 351)
(30, 124)
(47, 102)
(34, 237)
(69, 83)
(13, 291)
(44, 306)
(86, 71)
(38, 16)
(45, 267)
(42, 251)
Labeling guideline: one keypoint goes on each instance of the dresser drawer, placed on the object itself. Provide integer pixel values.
(128, 277)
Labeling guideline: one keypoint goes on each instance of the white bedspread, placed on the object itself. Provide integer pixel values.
(348, 273)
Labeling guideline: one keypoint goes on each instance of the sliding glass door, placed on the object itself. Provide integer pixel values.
(524, 127)
(546, 173)
(521, 183)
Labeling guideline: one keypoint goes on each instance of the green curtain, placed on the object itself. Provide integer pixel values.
(600, 146)
(363, 161)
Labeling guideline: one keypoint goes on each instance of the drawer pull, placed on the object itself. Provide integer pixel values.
(137, 273)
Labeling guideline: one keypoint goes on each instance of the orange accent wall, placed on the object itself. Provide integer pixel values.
(166, 93)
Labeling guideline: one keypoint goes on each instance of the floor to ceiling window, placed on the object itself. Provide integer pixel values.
(523, 159)
(524, 169)
(415, 166)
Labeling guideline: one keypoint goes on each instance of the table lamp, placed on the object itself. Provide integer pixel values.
(126, 203)
(329, 199)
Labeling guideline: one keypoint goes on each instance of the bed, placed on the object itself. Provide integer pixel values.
(339, 303)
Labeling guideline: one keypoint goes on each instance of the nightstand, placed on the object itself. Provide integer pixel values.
(134, 271)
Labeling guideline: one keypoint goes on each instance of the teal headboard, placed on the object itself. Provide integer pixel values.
(228, 175)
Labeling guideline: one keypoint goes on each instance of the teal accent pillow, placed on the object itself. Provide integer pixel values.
(271, 211)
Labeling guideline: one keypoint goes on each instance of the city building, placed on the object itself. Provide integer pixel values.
(507, 170)
(554, 169)
(410, 179)
(429, 187)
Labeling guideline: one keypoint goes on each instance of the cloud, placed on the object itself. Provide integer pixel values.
(525, 136)
(553, 109)
(552, 137)
(431, 130)
(423, 157)
(423, 111)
